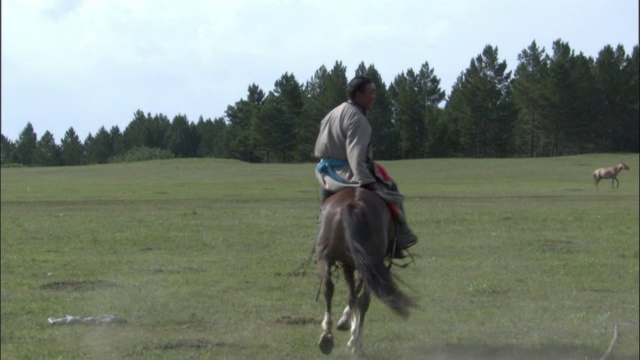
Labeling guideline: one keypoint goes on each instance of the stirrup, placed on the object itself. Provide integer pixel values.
(398, 254)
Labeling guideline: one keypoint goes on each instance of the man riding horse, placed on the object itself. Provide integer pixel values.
(345, 153)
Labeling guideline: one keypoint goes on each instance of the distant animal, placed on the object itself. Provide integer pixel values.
(355, 231)
(609, 173)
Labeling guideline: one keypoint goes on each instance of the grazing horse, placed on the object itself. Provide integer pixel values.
(609, 173)
(355, 232)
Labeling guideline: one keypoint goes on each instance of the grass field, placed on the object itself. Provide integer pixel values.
(205, 259)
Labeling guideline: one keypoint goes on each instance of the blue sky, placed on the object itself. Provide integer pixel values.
(92, 63)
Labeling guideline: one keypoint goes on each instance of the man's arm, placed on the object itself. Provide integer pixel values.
(358, 138)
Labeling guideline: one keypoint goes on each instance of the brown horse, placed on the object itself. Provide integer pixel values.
(355, 232)
(609, 173)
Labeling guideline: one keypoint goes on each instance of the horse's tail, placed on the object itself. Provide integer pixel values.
(370, 264)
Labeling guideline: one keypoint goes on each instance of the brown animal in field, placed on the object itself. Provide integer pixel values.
(609, 173)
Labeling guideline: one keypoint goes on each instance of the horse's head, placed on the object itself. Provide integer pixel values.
(624, 166)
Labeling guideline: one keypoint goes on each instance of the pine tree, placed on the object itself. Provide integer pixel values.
(157, 131)
(415, 97)
(240, 117)
(7, 149)
(486, 118)
(182, 138)
(72, 150)
(611, 81)
(119, 147)
(384, 138)
(529, 90)
(100, 147)
(630, 141)
(220, 139)
(274, 129)
(47, 152)
(25, 146)
(136, 134)
(324, 91)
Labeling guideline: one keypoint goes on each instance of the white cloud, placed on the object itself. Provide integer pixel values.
(95, 62)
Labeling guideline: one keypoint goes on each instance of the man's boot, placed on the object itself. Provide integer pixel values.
(405, 239)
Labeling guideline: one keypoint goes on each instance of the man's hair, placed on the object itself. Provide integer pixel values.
(356, 85)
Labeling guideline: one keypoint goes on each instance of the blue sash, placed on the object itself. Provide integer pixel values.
(326, 166)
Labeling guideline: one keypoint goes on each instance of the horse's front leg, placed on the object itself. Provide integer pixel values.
(326, 343)
(617, 182)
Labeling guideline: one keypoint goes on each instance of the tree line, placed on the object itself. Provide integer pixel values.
(552, 104)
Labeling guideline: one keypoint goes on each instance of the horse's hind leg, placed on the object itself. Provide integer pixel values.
(326, 343)
(345, 321)
(357, 324)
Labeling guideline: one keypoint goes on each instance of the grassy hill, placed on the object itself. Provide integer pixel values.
(206, 258)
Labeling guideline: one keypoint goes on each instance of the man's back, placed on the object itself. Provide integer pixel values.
(344, 135)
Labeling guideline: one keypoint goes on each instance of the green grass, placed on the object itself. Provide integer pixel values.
(518, 259)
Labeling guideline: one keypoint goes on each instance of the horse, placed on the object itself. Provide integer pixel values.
(356, 229)
(609, 173)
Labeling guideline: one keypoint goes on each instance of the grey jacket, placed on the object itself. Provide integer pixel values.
(345, 134)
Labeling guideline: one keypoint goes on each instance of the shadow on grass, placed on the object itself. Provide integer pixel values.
(77, 285)
(490, 352)
(482, 352)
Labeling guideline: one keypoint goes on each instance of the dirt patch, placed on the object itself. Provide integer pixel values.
(297, 273)
(555, 246)
(176, 270)
(487, 352)
(296, 320)
(78, 285)
(192, 344)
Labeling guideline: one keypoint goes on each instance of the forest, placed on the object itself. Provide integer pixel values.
(552, 104)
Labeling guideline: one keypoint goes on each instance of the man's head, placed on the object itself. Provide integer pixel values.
(362, 91)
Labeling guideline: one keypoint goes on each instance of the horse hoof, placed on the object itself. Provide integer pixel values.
(326, 344)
